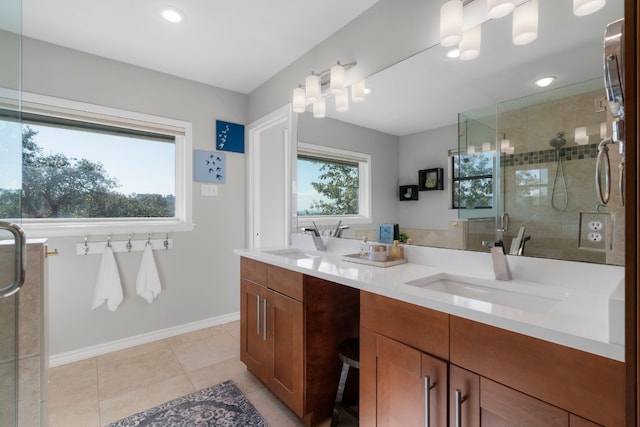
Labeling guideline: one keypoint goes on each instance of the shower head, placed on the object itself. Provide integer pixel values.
(558, 141)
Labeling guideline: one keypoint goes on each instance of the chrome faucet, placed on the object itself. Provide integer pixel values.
(499, 259)
(317, 239)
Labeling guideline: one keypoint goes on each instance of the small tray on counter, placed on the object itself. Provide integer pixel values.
(364, 259)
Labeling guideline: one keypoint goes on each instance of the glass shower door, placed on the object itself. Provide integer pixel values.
(12, 245)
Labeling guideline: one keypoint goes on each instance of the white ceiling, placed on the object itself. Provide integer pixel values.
(232, 44)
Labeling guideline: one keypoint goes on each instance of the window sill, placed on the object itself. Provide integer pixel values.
(47, 229)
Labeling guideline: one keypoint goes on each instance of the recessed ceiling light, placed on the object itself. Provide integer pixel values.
(171, 15)
(545, 81)
(453, 53)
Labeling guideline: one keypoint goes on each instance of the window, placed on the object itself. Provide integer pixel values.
(86, 167)
(472, 180)
(332, 183)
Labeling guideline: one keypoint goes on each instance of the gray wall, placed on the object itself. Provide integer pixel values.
(427, 150)
(201, 274)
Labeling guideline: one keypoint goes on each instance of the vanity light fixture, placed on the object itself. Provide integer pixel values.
(586, 7)
(470, 43)
(336, 79)
(499, 8)
(525, 23)
(312, 87)
(299, 100)
(319, 109)
(545, 81)
(342, 101)
(580, 135)
(358, 91)
(451, 21)
(171, 15)
(319, 86)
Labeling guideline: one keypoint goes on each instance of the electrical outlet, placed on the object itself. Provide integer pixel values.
(594, 237)
(595, 225)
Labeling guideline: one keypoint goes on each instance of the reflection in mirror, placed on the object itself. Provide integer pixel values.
(410, 123)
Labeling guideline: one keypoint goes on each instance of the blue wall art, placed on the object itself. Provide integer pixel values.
(229, 137)
(209, 166)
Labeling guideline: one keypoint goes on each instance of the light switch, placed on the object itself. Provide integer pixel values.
(208, 190)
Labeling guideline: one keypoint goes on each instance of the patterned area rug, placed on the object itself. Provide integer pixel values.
(220, 405)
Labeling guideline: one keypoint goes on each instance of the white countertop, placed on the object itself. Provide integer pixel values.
(579, 319)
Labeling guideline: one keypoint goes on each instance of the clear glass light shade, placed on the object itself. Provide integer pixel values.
(470, 44)
(525, 23)
(451, 23)
(603, 130)
(342, 101)
(499, 8)
(312, 86)
(586, 7)
(358, 91)
(336, 79)
(319, 109)
(299, 100)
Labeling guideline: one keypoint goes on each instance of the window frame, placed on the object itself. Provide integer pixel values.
(363, 160)
(182, 130)
(481, 212)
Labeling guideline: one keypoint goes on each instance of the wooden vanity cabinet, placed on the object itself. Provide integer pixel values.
(291, 327)
(588, 386)
(484, 376)
(403, 376)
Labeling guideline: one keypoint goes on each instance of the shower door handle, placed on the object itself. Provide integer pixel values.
(20, 243)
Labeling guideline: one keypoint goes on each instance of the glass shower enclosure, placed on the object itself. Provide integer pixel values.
(12, 245)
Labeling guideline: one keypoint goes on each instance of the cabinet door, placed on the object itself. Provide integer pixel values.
(503, 406)
(464, 398)
(402, 375)
(285, 340)
(253, 338)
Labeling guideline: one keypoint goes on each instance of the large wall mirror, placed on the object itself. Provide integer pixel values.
(428, 109)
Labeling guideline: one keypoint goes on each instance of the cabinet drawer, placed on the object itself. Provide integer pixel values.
(287, 282)
(255, 271)
(418, 327)
(582, 383)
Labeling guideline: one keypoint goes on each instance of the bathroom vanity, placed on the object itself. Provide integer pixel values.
(538, 348)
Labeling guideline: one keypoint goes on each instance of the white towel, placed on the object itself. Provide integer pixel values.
(148, 282)
(108, 287)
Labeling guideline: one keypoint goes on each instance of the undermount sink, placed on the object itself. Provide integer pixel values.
(292, 253)
(513, 294)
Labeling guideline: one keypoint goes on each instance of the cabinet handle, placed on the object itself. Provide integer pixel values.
(458, 407)
(258, 316)
(264, 319)
(427, 400)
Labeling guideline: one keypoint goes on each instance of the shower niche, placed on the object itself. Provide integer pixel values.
(544, 149)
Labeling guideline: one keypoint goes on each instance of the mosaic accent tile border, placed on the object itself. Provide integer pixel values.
(577, 152)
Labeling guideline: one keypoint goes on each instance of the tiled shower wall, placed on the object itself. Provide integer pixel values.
(554, 232)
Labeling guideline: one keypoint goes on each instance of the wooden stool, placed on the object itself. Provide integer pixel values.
(349, 353)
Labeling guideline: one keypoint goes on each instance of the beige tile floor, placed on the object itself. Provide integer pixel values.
(103, 389)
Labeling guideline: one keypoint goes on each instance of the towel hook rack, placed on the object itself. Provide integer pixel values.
(166, 242)
(86, 246)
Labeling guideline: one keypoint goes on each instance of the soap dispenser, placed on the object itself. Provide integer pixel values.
(396, 251)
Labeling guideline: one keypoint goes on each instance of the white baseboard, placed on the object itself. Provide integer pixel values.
(100, 349)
